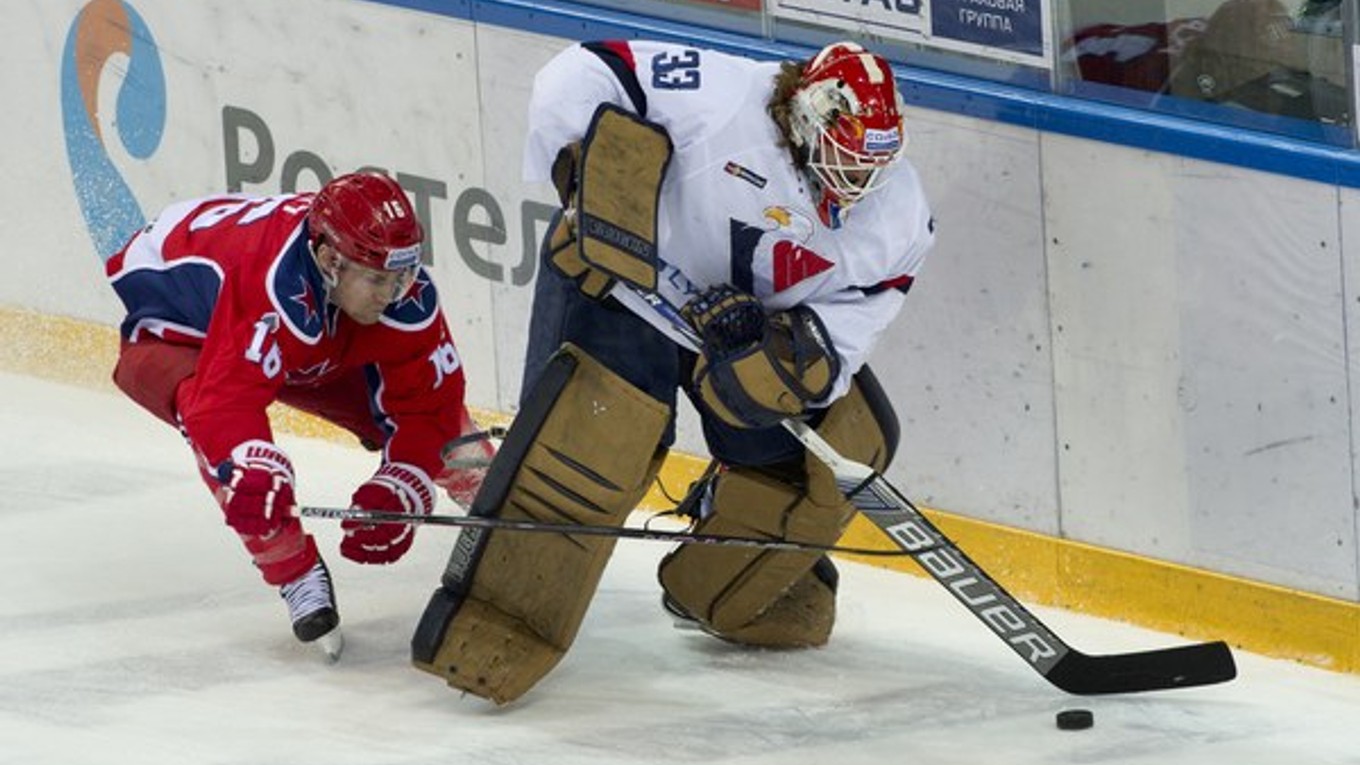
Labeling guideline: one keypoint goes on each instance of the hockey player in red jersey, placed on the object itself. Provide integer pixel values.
(318, 301)
(778, 190)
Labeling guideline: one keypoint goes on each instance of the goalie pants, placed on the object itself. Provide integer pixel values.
(632, 348)
(157, 374)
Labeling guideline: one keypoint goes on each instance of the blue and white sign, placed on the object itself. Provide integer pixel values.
(1012, 25)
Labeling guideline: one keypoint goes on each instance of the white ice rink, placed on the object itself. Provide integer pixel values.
(134, 630)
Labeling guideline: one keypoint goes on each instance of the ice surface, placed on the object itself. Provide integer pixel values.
(134, 630)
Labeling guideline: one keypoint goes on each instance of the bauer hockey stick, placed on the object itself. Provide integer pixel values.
(888, 509)
(570, 529)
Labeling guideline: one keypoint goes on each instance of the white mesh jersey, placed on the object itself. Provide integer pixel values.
(733, 208)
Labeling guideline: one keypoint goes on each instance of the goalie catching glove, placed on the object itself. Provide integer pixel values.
(396, 488)
(754, 369)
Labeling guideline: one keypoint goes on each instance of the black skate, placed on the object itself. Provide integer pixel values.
(311, 606)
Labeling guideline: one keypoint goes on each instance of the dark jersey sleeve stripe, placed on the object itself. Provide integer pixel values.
(744, 239)
(899, 283)
(619, 58)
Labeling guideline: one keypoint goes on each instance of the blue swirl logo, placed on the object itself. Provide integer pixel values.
(103, 30)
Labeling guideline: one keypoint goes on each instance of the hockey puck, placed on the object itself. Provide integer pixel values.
(1076, 719)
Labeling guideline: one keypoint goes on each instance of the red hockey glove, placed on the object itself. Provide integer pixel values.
(466, 460)
(258, 496)
(398, 488)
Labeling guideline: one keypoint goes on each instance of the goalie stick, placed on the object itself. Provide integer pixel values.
(1059, 663)
(571, 529)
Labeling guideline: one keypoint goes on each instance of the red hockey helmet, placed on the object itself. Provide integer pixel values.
(847, 118)
(367, 218)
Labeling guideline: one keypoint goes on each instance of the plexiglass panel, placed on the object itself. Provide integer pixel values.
(1273, 64)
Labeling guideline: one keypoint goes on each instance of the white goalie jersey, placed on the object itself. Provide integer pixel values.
(733, 208)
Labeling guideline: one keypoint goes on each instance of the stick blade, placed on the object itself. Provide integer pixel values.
(1184, 666)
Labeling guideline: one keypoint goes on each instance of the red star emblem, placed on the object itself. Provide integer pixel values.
(314, 372)
(416, 293)
(307, 299)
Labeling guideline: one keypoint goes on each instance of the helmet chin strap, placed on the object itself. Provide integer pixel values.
(329, 278)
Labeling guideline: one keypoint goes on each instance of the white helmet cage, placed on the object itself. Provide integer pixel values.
(847, 172)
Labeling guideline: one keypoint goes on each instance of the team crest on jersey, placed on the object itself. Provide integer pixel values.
(417, 307)
(788, 221)
(793, 263)
(746, 174)
(307, 299)
(295, 290)
(774, 257)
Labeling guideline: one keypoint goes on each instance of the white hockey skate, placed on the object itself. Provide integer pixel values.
(311, 606)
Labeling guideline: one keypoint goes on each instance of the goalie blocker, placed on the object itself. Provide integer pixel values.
(610, 186)
(583, 450)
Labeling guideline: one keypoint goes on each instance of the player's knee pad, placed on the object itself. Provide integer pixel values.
(774, 597)
(150, 373)
(583, 450)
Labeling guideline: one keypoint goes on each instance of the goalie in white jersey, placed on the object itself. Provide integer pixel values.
(779, 192)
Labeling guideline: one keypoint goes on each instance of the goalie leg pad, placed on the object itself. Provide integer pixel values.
(772, 597)
(582, 450)
(802, 617)
(728, 589)
(861, 425)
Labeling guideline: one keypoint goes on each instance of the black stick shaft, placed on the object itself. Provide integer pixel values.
(616, 532)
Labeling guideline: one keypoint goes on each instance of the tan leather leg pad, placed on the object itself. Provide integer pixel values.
(853, 429)
(517, 599)
(802, 617)
(726, 588)
(492, 655)
(738, 592)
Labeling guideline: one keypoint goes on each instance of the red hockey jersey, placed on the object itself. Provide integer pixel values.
(234, 275)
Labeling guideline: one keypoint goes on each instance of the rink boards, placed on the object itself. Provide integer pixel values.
(1112, 349)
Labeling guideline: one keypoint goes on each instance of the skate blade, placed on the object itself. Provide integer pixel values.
(332, 644)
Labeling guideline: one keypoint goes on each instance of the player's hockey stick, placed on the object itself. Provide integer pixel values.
(870, 493)
(623, 532)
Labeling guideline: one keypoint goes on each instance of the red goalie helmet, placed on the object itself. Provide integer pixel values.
(847, 119)
(367, 218)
